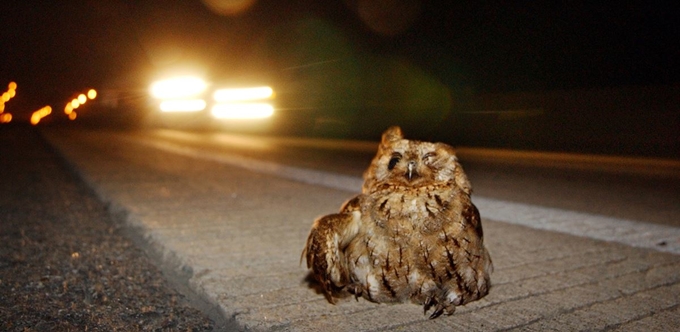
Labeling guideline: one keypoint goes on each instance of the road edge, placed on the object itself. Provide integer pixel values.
(175, 272)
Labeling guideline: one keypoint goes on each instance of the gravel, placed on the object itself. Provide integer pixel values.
(65, 264)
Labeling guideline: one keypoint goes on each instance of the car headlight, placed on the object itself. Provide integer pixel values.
(242, 111)
(178, 87)
(243, 103)
(243, 94)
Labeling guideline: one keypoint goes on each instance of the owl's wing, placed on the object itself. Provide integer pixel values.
(325, 247)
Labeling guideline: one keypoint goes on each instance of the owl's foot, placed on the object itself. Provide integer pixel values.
(439, 307)
(357, 289)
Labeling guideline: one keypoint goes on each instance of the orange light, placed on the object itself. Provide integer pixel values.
(75, 103)
(12, 86)
(72, 115)
(35, 118)
(5, 118)
(2, 107)
(5, 96)
(68, 109)
(82, 98)
(39, 114)
(92, 94)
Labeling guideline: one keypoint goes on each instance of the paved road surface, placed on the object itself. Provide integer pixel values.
(65, 265)
(234, 222)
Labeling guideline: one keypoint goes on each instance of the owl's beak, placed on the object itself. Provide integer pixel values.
(411, 170)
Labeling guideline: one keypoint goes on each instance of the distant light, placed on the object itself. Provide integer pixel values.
(92, 94)
(242, 111)
(243, 94)
(39, 114)
(2, 106)
(82, 98)
(68, 109)
(184, 105)
(72, 115)
(75, 103)
(12, 93)
(5, 97)
(12, 86)
(35, 118)
(5, 118)
(178, 87)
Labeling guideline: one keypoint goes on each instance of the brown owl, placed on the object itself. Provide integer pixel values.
(413, 233)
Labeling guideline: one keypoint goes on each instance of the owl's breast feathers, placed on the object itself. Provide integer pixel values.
(425, 209)
(413, 240)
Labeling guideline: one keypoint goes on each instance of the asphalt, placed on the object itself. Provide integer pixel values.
(235, 237)
(65, 264)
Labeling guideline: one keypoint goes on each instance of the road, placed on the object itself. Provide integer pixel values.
(578, 241)
(647, 190)
(65, 265)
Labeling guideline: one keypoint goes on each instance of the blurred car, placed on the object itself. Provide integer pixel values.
(191, 100)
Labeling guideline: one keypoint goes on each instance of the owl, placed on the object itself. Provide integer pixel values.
(412, 234)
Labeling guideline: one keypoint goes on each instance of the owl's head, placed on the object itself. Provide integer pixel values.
(409, 163)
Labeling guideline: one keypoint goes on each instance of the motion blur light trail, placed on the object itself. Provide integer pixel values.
(6, 96)
(178, 87)
(78, 101)
(243, 94)
(40, 114)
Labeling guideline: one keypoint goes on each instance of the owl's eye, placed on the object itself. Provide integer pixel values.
(393, 161)
(429, 155)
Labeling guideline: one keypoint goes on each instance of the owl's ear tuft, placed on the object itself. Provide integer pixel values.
(392, 134)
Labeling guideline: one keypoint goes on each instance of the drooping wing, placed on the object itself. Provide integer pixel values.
(325, 246)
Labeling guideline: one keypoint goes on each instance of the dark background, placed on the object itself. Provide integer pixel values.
(474, 66)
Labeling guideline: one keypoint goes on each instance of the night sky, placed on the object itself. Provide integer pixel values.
(54, 50)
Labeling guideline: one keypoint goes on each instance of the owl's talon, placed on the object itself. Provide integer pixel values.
(429, 302)
(356, 289)
(438, 311)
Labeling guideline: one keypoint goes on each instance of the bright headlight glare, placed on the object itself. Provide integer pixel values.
(184, 105)
(242, 111)
(243, 94)
(178, 87)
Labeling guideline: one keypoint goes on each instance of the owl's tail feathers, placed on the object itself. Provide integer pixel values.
(325, 247)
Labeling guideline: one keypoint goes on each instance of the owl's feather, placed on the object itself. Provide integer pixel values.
(412, 234)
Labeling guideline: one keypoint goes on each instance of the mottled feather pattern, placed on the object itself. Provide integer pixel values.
(412, 234)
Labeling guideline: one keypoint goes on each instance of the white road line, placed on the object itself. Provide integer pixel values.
(628, 232)
(321, 178)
